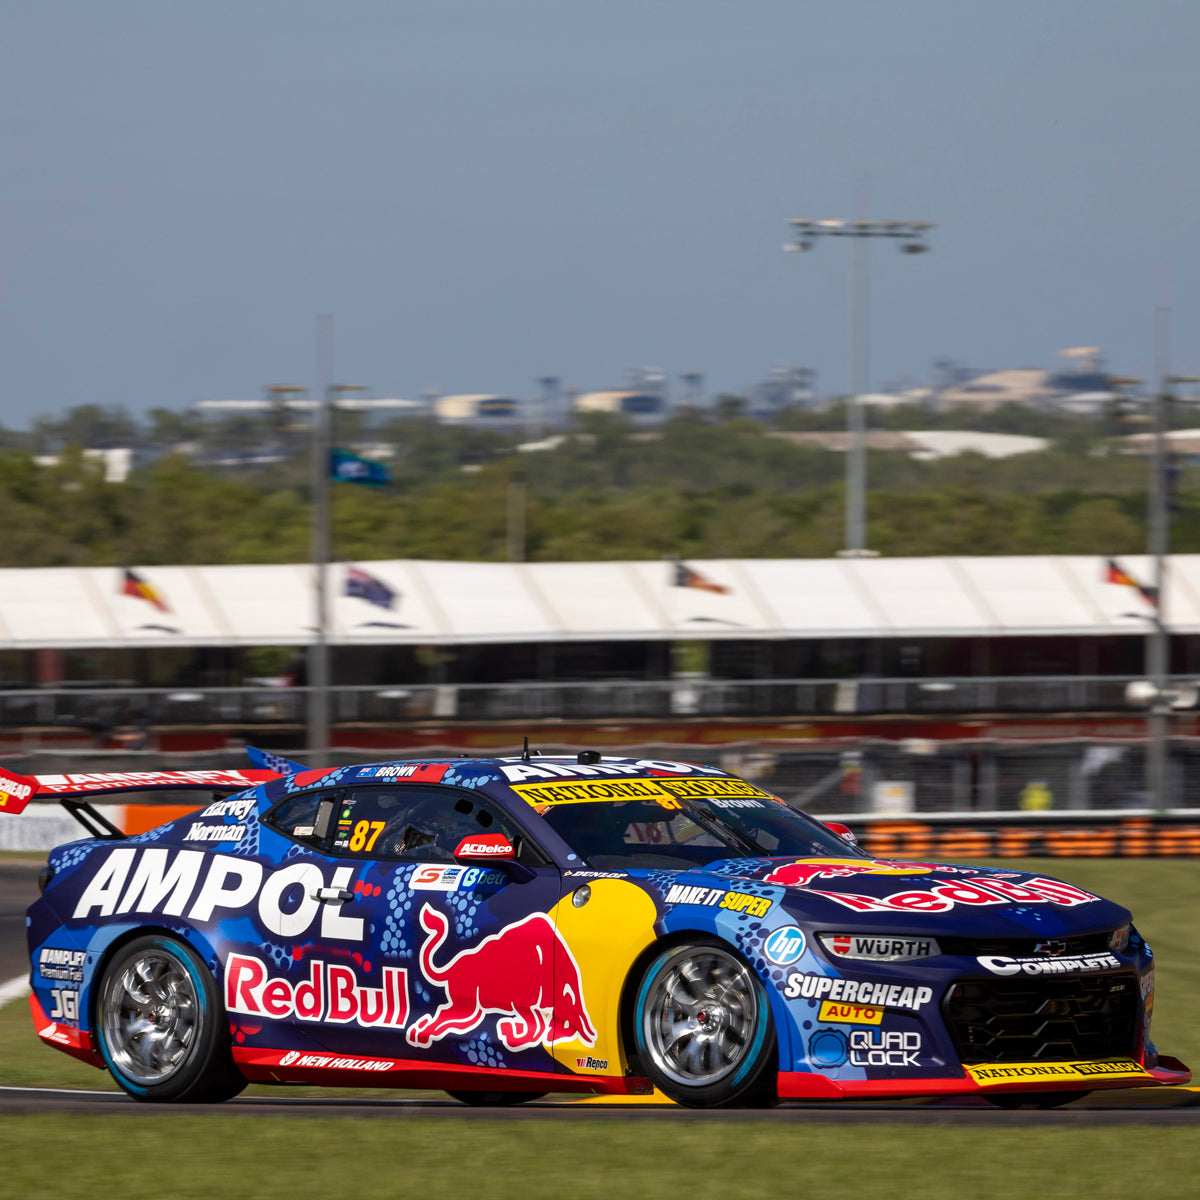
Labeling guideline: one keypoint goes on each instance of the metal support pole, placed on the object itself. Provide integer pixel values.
(856, 417)
(516, 522)
(1157, 648)
(910, 236)
(318, 658)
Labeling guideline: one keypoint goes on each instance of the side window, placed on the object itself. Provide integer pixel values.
(305, 818)
(409, 822)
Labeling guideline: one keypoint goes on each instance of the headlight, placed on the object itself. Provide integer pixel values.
(1118, 940)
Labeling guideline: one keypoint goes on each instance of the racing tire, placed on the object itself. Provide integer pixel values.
(494, 1099)
(703, 1029)
(1034, 1100)
(161, 1026)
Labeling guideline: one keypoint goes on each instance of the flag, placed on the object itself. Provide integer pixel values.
(684, 576)
(366, 587)
(347, 467)
(1115, 573)
(134, 585)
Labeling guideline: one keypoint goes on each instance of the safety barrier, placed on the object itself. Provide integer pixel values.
(947, 837)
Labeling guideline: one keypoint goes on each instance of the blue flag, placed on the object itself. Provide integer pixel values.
(353, 468)
(366, 587)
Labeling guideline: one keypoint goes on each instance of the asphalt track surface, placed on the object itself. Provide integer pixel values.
(1169, 1106)
(18, 888)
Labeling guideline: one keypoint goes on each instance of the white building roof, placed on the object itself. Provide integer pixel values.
(448, 602)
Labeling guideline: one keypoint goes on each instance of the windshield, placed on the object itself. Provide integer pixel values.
(691, 833)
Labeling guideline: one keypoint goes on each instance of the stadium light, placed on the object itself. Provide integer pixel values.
(911, 236)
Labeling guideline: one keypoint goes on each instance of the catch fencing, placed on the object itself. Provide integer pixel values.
(905, 799)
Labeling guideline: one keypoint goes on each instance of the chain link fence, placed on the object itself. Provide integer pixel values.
(874, 777)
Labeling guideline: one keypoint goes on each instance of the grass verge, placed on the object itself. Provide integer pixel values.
(136, 1157)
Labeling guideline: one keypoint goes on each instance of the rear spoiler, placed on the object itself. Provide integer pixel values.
(17, 790)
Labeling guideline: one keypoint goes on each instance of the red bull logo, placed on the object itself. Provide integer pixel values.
(525, 974)
(802, 873)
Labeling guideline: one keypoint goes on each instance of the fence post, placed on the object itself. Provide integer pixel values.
(987, 780)
(1077, 780)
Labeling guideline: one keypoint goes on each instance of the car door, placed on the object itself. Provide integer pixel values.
(458, 964)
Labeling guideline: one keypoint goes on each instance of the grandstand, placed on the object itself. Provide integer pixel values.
(931, 670)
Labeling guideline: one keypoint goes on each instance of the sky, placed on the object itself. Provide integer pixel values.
(482, 192)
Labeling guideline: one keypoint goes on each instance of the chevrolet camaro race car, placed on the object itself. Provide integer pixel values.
(503, 928)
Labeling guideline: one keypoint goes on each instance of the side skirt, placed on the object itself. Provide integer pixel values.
(327, 1069)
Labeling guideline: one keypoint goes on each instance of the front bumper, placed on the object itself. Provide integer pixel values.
(991, 1078)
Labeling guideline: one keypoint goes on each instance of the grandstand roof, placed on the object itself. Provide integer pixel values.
(448, 602)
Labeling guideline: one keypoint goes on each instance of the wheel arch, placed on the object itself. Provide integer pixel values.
(206, 1072)
(122, 936)
(679, 937)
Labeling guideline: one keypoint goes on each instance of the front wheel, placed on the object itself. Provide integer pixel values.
(703, 1027)
(161, 1025)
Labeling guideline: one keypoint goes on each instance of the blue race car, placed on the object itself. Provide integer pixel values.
(503, 928)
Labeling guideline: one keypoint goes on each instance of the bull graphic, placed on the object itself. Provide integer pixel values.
(525, 973)
(800, 874)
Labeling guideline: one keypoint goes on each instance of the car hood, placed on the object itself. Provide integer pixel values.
(922, 897)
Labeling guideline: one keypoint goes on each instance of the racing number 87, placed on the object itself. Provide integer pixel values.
(364, 835)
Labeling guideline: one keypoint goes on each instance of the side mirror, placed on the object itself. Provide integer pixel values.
(843, 831)
(494, 848)
(485, 848)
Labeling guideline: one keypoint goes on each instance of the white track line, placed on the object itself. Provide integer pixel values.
(14, 988)
(12, 1087)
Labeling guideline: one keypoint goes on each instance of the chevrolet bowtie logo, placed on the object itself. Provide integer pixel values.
(1051, 947)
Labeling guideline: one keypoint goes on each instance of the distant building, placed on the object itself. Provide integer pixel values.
(1029, 386)
(117, 462)
(1083, 387)
(787, 386)
(477, 409)
(641, 406)
(924, 444)
(1185, 443)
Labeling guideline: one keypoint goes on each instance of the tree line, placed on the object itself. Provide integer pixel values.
(703, 485)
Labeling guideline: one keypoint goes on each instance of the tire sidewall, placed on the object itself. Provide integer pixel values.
(209, 1052)
(754, 1080)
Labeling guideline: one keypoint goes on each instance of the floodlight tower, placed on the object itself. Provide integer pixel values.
(911, 238)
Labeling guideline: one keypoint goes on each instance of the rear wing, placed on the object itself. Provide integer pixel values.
(71, 790)
(15, 791)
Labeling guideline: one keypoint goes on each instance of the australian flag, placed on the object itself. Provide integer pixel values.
(366, 587)
(348, 467)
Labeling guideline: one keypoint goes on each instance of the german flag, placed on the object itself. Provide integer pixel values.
(1115, 573)
(134, 585)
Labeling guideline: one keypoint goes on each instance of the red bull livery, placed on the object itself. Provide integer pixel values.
(508, 927)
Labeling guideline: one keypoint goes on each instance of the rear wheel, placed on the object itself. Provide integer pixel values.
(703, 1027)
(161, 1025)
(1034, 1099)
(495, 1099)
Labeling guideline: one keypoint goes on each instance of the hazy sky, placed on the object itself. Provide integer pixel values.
(483, 191)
